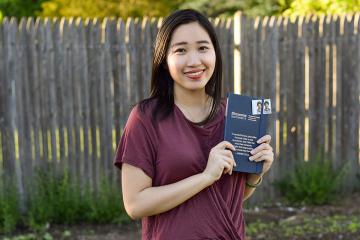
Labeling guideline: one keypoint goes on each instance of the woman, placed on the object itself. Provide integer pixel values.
(176, 169)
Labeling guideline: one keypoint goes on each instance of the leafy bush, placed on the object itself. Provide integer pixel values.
(357, 186)
(106, 205)
(55, 200)
(60, 200)
(9, 212)
(312, 182)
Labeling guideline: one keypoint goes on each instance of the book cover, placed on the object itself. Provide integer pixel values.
(246, 122)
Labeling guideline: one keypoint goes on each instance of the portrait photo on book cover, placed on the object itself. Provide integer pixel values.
(256, 106)
(267, 106)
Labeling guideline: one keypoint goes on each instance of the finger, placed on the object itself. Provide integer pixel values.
(265, 157)
(227, 153)
(260, 154)
(231, 161)
(263, 146)
(225, 144)
(269, 158)
(264, 139)
(227, 167)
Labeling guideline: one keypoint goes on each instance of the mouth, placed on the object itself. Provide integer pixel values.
(195, 74)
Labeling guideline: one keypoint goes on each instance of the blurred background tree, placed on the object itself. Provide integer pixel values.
(81, 8)
(20, 8)
(218, 8)
(320, 7)
(159, 8)
(106, 8)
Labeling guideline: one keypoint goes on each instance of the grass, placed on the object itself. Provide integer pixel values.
(307, 226)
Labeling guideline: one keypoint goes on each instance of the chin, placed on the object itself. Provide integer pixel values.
(195, 87)
(191, 85)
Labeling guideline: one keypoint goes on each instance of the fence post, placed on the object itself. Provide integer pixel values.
(237, 53)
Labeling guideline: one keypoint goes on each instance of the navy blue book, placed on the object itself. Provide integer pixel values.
(246, 122)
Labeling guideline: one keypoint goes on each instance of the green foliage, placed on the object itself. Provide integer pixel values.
(108, 8)
(258, 227)
(312, 182)
(106, 206)
(40, 235)
(83, 8)
(20, 8)
(9, 212)
(214, 8)
(321, 7)
(140, 8)
(55, 200)
(58, 200)
(219, 8)
(357, 186)
(161, 8)
(303, 227)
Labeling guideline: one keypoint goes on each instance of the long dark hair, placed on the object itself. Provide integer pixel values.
(162, 85)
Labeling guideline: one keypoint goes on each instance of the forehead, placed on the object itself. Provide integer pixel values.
(189, 32)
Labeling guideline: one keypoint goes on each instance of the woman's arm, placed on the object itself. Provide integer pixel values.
(141, 199)
(263, 152)
(252, 179)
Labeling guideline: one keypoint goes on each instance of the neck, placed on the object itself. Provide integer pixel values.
(195, 105)
(191, 99)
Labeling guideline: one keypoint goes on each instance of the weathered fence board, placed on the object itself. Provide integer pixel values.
(9, 150)
(350, 100)
(94, 41)
(2, 96)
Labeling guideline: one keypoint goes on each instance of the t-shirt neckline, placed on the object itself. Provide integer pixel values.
(213, 121)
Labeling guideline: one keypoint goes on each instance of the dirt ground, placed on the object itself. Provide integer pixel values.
(336, 221)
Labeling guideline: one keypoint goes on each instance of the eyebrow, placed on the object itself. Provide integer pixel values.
(184, 43)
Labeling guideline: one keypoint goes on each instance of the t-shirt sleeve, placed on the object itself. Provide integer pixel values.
(137, 144)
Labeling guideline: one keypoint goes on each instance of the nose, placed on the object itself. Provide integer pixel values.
(194, 59)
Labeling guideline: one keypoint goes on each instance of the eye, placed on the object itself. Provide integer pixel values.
(179, 50)
(203, 48)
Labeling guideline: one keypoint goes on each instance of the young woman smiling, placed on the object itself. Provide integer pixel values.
(176, 169)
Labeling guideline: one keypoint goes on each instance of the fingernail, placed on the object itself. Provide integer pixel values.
(252, 151)
(251, 158)
(258, 141)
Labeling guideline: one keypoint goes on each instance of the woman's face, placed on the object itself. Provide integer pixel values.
(191, 57)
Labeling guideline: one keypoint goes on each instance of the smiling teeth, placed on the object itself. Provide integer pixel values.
(194, 74)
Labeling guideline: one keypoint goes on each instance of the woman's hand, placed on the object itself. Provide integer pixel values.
(220, 161)
(263, 152)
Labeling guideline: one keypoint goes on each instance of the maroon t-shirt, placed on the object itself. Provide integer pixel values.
(174, 149)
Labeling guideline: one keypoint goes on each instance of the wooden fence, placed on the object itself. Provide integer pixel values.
(67, 86)
(310, 69)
